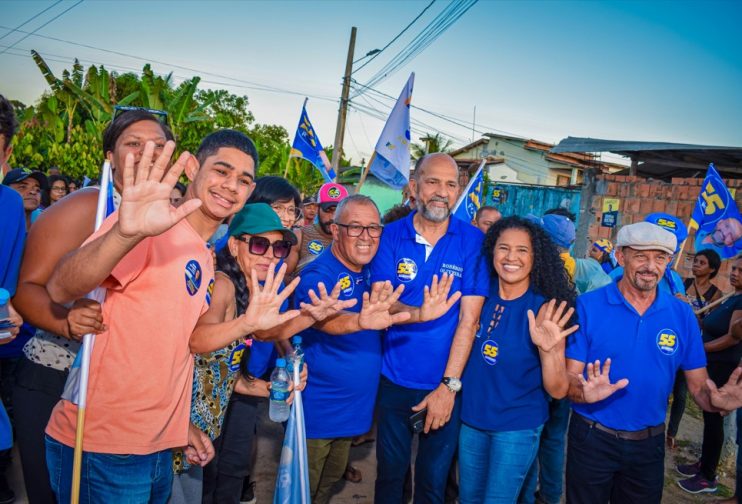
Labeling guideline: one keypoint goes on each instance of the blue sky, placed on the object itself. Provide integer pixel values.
(669, 71)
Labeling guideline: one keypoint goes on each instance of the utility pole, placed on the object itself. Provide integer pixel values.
(337, 147)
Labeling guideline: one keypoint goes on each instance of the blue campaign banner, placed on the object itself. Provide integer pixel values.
(471, 199)
(716, 218)
(307, 146)
(292, 481)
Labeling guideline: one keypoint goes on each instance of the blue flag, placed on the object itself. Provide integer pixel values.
(717, 218)
(307, 146)
(292, 481)
(471, 199)
(391, 162)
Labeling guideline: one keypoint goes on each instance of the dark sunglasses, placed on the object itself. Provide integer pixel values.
(161, 115)
(259, 245)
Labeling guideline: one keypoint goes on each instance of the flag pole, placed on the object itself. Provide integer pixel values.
(364, 172)
(87, 350)
(462, 197)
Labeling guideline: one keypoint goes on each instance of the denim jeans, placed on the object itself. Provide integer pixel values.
(602, 468)
(113, 479)
(493, 465)
(548, 469)
(394, 446)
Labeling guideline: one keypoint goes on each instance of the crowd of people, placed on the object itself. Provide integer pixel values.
(487, 339)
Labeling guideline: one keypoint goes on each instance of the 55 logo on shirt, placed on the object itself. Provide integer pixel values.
(346, 284)
(490, 351)
(406, 269)
(667, 341)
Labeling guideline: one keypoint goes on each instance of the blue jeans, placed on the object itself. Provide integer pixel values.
(548, 469)
(394, 445)
(113, 479)
(493, 465)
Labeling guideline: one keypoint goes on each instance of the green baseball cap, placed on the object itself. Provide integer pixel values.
(257, 218)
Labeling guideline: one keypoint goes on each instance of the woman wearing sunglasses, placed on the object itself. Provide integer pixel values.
(284, 199)
(228, 360)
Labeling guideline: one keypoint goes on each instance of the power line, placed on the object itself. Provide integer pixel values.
(246, 83)
(395, 38)
(42, 26)
(31, 19)
(257, 87)
(427, 36)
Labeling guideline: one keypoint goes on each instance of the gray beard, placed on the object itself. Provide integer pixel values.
(435, 214)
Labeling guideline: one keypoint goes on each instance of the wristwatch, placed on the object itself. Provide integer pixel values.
(453, 383)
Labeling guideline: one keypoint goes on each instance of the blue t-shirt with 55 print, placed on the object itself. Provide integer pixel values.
(502, 385)
(343, 370)
(415, 355)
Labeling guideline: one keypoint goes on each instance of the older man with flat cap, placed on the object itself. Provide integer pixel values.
(643, 335)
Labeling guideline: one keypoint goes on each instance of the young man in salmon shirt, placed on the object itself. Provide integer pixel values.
(154, 262)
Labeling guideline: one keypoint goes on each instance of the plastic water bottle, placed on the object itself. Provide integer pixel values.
(296, 356)
(4, 312)
(279, 410)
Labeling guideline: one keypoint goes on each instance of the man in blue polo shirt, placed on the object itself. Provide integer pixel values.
(422, 362)
(344, 351)
(643, 335)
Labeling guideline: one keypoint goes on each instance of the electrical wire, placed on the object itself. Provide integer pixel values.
(395, 38)
(422, 40)
(28, 34)
(31, 19)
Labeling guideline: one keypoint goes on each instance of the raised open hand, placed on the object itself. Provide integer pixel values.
(547, 329)
(375, 312)
(145, 201)
(264, 309)
(436, 302)
(598, 385)
(325, 305)
(729, 396)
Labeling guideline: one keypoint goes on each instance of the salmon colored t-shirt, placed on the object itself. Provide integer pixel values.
(141, 369)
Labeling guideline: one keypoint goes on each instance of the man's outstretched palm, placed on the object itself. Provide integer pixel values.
(598, 385)
(145, 200)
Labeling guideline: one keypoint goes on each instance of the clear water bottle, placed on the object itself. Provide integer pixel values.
(279, 410)
(296, 356)
(4, 313)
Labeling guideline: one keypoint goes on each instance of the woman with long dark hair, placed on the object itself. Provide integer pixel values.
(229, 361)
(517, 361)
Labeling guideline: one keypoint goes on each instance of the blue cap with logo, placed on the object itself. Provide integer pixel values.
(670, 223)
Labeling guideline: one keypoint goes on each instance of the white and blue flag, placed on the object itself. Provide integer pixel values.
(391, 164)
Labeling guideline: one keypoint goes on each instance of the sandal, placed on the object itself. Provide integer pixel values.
(352, 474)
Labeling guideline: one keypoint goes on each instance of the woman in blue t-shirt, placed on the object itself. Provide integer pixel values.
(516, 361)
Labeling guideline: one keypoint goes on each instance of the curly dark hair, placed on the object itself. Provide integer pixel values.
(228, 265)
(548, 276)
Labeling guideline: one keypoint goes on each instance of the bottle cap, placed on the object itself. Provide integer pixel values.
(280, 362)
(296, 340)
(4, 296)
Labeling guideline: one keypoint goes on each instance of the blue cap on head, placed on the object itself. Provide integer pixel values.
(296, 340)
(560, 229)
(670, 223)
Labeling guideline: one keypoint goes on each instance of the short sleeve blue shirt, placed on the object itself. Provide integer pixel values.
(12, 237)
(415, 355)
(343, 370)
(647, 349)
(502, 383)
